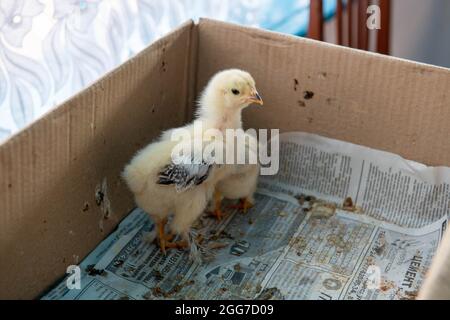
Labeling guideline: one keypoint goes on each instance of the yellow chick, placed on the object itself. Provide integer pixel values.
(164, 185)
(227, 92)
(241, 183)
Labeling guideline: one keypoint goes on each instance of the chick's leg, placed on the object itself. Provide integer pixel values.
(187, 210)
(243, 205)
(182, 244)
(165, 240)
(217, 205)
(162, 235)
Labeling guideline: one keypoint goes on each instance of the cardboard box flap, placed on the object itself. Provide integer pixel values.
(60, 189)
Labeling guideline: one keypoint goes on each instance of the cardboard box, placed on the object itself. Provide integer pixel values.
(58, 175)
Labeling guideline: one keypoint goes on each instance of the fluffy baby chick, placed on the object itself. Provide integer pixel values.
(163, 185)
(220, 105)
(241, 183)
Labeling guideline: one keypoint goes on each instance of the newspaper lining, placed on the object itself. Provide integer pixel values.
(339, 221)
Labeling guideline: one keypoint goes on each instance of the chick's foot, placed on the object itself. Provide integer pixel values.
(244, 205)
(182, 244)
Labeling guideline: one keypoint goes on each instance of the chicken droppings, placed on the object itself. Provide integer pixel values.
(411, 295)
(382, 246)
(158, 292)
(85, 207)
(222, 290)
(323, 210)
(99, 196)
(301, 199)
(90, 269)
(348, 203)
(308, 95)
(350, 206)
(269, 293)
(387, 285)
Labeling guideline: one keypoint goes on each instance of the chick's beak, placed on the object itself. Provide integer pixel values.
(256, 98)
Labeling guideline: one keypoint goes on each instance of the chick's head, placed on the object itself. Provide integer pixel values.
(234, 88)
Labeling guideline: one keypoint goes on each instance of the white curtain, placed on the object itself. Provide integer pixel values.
(51, 49)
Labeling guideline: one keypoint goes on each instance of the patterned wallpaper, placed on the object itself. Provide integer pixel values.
(51, 49)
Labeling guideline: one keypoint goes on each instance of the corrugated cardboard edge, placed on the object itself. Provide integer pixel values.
(270, 35)
(60, 187)
(192, 77)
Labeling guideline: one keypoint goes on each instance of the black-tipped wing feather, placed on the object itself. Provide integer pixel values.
(184, 175)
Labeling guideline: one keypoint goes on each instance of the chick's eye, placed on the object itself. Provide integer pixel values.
(235, 91)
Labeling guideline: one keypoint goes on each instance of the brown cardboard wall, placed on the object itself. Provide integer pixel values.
(368, 99)
(49, 172)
